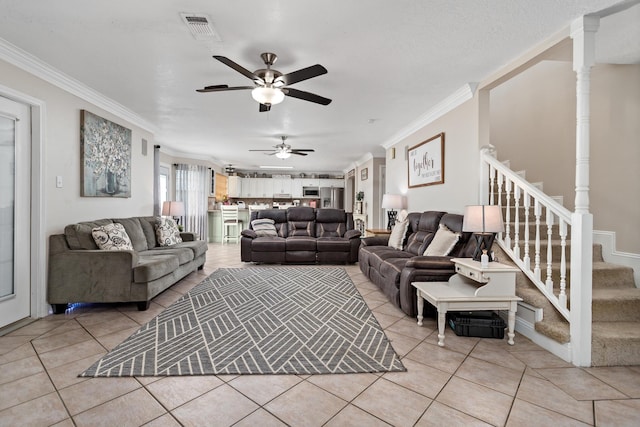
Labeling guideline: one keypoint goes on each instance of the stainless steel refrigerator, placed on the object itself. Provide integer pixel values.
(332, 197)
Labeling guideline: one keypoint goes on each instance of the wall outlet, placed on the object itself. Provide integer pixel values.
(58, 181)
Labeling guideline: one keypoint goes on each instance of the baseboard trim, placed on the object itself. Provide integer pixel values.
(608, 241)
(563, 351)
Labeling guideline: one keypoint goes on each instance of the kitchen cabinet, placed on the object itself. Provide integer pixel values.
(282, 184)
(234, 186)
(336, 183)
(296, 188)
(310, 182)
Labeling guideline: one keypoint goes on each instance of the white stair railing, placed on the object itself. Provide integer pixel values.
(516, 197)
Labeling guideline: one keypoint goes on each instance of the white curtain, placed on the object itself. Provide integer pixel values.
(191, 189)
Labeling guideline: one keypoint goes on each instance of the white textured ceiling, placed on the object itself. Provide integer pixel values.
(390, 61)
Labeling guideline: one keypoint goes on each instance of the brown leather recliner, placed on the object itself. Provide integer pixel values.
(393, 270)
(305, 235)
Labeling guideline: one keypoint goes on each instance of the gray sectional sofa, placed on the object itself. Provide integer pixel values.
(80, 272)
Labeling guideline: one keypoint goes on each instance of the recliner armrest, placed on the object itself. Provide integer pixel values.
(431, 263)
(376, 241)
(249, 233)
(352, 234)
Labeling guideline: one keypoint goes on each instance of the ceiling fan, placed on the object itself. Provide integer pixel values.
(271, 86)
(284, 151)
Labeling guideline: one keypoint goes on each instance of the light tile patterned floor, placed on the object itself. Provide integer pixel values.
(470, 382)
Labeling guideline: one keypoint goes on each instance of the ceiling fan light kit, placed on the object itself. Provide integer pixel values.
(283, 155)
(267, 95)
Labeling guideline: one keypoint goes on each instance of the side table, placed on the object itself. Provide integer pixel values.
(377, 232)
(473, 287)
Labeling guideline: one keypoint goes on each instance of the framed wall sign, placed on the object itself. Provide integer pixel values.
(364, 174)
(426, 162)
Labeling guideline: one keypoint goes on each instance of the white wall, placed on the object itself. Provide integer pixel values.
(533, 124)
(461, 153)
(62, 157)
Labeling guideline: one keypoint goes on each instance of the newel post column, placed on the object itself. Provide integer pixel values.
(583, 33)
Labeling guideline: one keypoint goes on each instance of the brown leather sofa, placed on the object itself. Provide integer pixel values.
(393, 270)
(305, 235)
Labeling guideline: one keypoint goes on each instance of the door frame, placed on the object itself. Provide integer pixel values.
(38, 238)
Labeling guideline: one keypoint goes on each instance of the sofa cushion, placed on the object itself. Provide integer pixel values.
(79, 235)
(134, 231)
(268, 244)
(301, 228)
(198, 247)
(333, 244)
(301, 221)
(300, 243)
(148, 224)
(264, 227)
(443, 242)
(422, 231)
(167, 232)
(331, 223)
(391, 269)
(112, 237)
(152, 266)
(184, 255)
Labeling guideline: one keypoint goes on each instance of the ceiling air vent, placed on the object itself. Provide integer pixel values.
(200, 26)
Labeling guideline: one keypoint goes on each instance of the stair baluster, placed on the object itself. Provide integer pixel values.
(549, 221)
(537, 210)
(526, 202)
(516, 225)
(562, 297)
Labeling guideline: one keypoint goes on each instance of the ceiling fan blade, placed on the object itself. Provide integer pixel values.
(239, 68)
(303, 74)
(222, 88)
(306, 96)
(301, 150)
(297, 153)
(261, 150)
(264, 107)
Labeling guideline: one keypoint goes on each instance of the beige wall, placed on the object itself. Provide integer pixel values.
(533, 120)
(61, 153)
(461, 153)
(371, 188)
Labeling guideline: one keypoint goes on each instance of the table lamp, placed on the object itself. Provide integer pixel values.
(173, 209)
(393, 202)
(483, 221)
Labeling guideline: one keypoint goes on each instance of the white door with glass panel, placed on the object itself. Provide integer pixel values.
(15, 220)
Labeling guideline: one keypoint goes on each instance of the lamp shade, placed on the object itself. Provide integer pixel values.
(172, 208)
(394, 201)
(483, 219)
(267, 95)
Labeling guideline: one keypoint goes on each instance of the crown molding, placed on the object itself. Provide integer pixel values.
(184, 155)
(33, 65)
(365, 158)
(458, 97)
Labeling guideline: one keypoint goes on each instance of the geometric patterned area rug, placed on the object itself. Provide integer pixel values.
(258, 320)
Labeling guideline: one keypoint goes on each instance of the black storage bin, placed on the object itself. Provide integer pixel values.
(484, 324)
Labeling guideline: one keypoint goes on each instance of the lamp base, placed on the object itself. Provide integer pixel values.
(391, 219)
(484, 241)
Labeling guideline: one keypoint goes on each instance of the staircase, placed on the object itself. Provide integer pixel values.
(615, 337)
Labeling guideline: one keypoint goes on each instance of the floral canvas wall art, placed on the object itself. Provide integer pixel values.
(106, 157)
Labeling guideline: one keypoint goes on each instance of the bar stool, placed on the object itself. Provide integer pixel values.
(230, 219)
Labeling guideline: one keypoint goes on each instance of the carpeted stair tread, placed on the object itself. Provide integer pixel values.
(615, 344)
(616, 305)
(557, 330)
(605, 275)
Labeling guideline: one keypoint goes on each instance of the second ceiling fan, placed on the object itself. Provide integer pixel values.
(284, 150)
(271, 86)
